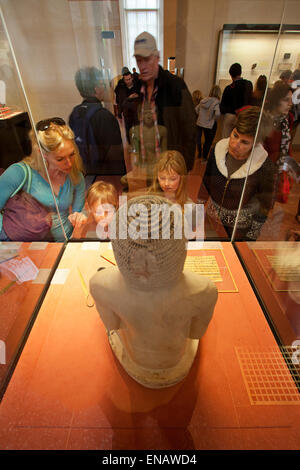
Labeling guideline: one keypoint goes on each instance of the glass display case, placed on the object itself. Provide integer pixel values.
(14, 121)
(221, 143)
(271, 260)
(26, 270)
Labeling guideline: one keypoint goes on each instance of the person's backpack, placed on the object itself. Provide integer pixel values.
(84, 135)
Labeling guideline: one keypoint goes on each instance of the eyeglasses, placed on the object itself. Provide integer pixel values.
(46, 123)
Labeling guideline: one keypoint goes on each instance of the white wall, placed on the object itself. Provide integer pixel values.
(260, 49)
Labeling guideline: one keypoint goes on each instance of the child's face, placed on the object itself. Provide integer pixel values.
(169, 181)
(103, 212)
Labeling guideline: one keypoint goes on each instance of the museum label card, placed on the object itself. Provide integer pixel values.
(23, 269)
(204, 265)
(38, 245)
(60, 276)
(284, 273)
(90, 246)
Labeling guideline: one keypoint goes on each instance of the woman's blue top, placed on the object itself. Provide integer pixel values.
(70, 197)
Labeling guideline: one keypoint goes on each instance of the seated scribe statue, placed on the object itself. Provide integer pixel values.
(147, 141)
(154, 312)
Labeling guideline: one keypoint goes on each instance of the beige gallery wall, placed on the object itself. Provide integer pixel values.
(52, 39)
(199, 23)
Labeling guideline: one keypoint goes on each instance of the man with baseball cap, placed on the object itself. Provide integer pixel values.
(168, 98)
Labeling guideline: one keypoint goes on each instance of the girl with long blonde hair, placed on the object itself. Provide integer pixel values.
(170, 176)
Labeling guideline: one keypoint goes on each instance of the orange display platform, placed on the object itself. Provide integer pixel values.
(69, 392)
(19, 300)
(283, 309)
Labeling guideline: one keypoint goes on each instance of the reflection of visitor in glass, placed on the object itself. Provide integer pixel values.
(278, 106)
(226, 171)
(235, 96)
(279, 143)
(208, 111)
(197, 97)
(64, 167)
(259, 91)
(97, 131)
(127, 99)
(285, 76)
(168, 98)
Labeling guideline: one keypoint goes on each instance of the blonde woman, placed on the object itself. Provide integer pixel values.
(196, 97)
(65, 169)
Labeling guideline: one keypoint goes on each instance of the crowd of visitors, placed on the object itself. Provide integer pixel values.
(163, 126)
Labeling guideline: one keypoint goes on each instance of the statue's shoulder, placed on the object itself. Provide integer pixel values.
(105, 280)
(200, 289)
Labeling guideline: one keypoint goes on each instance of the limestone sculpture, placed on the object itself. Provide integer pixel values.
(154, 311)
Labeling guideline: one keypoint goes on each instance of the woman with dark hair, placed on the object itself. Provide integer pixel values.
(229, 165)
(285, 76)
(259, 90)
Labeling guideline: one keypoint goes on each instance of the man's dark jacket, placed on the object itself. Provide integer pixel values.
(236, 95)
(175, 111)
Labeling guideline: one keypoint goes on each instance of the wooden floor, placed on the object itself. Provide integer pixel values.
(69, 392)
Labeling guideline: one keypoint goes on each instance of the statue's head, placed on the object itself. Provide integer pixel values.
(148, 118)
(149, 247)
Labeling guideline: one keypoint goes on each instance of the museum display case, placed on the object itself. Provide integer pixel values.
(14, 120)
(51, 337)
(271, 260)
(27, 264)
(26, 270)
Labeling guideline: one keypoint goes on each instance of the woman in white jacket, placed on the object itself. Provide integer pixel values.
(208, 111)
